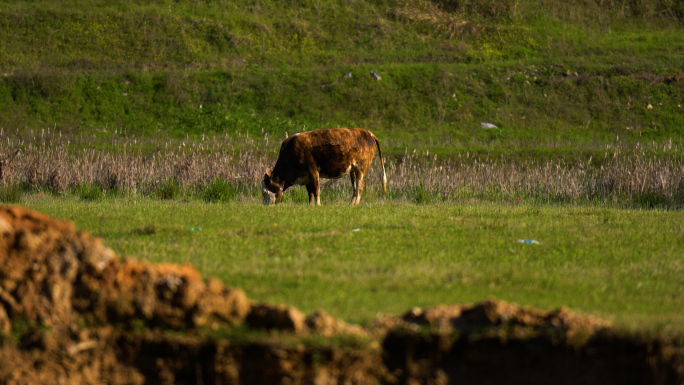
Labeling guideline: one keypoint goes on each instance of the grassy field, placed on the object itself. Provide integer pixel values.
(386, 257)
(578, 71)
(141, 119)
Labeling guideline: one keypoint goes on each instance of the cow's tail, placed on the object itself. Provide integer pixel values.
(382, 162)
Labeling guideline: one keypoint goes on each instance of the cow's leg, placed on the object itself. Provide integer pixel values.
(314, 189)
(361, 171)
(352, 176)
(312, 192)
(359, 187)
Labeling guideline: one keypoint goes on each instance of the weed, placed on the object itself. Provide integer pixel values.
(220, 191)
(89, 192)
(420, 194)
(651, 200)
(169, 189)
(10, 193)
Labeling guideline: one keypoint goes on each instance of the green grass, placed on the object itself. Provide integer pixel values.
(90, 192)
(356, 262)
(573, 71)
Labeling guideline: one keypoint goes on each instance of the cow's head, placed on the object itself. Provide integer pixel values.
(271, 190)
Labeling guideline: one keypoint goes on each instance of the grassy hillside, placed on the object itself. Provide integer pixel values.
(580, 71)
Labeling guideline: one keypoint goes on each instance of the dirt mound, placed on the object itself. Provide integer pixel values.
(495, 315)
(497, 342)
(73, 312)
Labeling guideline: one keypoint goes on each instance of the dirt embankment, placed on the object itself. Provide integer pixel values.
(71, 312)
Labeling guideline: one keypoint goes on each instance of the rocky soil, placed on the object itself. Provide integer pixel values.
(72, 312)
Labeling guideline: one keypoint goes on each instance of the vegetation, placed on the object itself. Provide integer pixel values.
(221, 169)
(142, 119)
(573, 71)
(354, 262)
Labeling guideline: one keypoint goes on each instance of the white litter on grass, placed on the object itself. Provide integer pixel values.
(487, 125)
(356, 229)
(528, 241)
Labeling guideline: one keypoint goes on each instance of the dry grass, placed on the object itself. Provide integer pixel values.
(456, 17)
(56, 163)
(428, 12)
(640, 179)
(50, 161)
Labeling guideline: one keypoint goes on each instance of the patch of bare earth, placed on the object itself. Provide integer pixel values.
(71, 312)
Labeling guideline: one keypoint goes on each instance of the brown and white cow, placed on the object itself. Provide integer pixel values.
(328, 153)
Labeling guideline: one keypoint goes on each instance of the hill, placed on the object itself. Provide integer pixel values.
(575, 71)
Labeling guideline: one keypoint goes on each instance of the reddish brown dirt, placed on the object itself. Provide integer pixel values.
(71, 312)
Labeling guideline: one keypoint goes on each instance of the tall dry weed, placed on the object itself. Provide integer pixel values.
(622, 179)
(644, 177)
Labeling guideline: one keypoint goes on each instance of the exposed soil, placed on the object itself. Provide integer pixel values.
(71, 312)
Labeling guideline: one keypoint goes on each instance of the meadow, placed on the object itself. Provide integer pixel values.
(624, 265)
(139, 120)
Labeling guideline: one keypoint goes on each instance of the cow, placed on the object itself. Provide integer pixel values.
(326, 153)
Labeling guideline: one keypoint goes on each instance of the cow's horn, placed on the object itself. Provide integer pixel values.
(268, 172)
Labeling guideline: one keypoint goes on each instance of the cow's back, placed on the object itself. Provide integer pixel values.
(335, 150)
